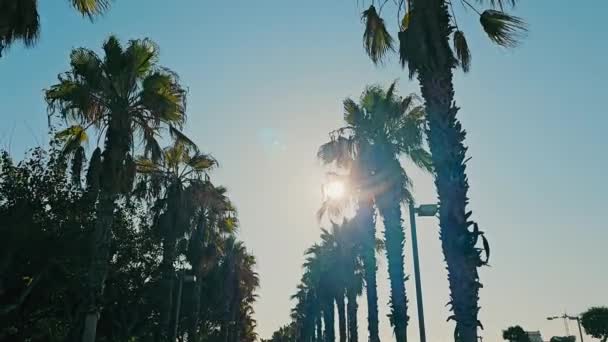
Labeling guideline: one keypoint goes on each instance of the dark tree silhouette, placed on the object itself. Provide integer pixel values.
(595, 322)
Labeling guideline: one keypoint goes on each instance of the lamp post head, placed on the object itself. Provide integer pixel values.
(427, 210)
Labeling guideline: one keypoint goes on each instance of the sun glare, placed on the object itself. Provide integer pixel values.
(335, 190)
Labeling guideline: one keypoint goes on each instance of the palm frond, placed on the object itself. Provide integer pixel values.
(352, 112)
(376, 39)
(182, 139)
(146, 166)
(164, 98)
(114, 57)
(72, 137)
(91, 8)
(202, 162)
(503, 29)
(142, 55)
(462, 50)
(19, 20)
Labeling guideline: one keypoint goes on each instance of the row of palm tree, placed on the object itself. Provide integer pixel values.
(366, 153)
(126, 102)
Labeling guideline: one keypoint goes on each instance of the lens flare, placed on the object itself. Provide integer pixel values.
(335, 190)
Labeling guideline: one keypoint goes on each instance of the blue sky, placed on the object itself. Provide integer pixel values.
(266, 81)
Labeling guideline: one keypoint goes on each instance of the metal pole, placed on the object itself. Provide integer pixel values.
(180, 280)
(417, 274)
(580, 331)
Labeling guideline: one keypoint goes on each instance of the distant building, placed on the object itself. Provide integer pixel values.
(534, 336)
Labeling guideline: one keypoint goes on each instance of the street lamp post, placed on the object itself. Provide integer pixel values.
(181, 278)
(422, 210)
(566, 317)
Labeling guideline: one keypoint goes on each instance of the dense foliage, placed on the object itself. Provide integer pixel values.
(116, 245)
(595, 322)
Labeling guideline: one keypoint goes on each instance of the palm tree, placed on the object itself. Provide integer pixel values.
(425, 31)
(515, 334)
(123, 96)
(170, 180)
(240, 282)
(215, 222)
(19, 19)
(379, 130)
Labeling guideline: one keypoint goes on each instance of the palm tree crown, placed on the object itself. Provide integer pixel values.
(19, 19)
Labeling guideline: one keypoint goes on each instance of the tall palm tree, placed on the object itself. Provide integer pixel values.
(240, 282)
(215, 223)
(123, 96)
(426, 28)
(19, 19)
(379, 130)
(171, 180)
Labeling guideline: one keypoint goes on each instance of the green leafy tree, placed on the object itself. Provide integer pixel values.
(595, 322)
(19, 19)
(426, 30)
(123, 96)
(515, 334)
(381, 129)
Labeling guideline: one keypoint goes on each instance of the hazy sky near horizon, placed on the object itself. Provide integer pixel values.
(266, 81)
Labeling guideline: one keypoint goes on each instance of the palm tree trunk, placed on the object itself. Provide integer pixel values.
(367, 224)
(99, 264)
(446, 142)
(168, 280)
(389, 205)
(319, 327)
(328, 320)
(351, 310)
(341, 317)
(196, 309)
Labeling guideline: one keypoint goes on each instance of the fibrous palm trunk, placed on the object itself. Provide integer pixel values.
(319, 328)
(118, 141)
(196, 308)
(389, 205)
(168, 280)
(328, 320)
(446, 142)
(367, 225)
(351, 313)
(341, 317)
(99, 264)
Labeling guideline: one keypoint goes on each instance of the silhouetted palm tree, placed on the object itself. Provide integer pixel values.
(425, 31)
(123, 96)
(19, 19)
(170, 182)
(381, 129)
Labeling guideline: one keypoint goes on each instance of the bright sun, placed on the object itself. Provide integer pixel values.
(335, 190)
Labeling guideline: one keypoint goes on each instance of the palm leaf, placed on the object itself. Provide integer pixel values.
(141, 54)
(182, 139)
(19, 20)
(376, 39)
(163, 97)
(462, 50)
(503, 29)
(91, 8)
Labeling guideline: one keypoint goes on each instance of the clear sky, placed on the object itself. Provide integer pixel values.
(266, 81)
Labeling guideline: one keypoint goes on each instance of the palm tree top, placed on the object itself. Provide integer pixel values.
(19, 19)
(417, 47)
(125, 86)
